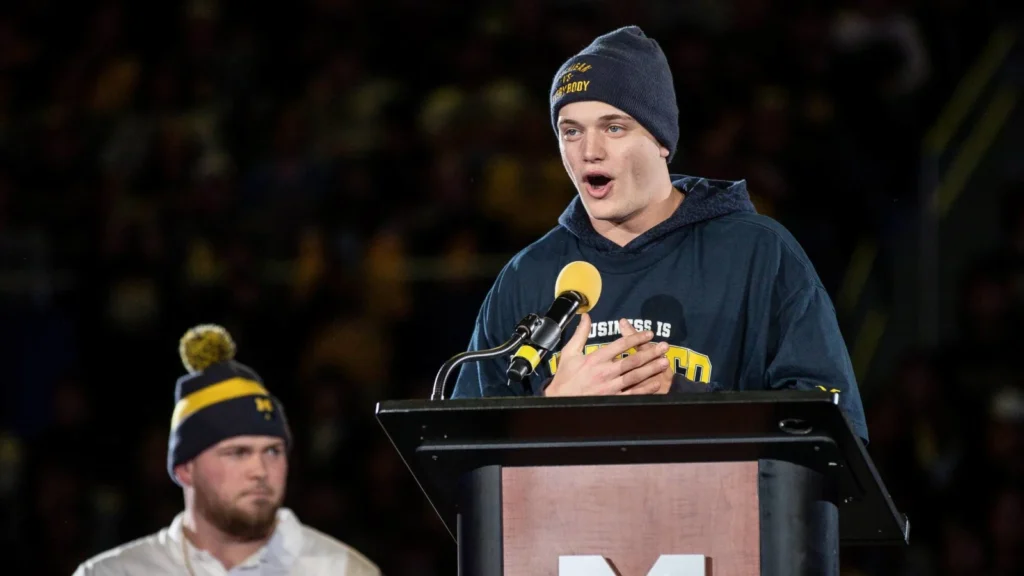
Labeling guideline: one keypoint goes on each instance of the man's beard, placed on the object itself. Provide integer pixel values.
(235, 522)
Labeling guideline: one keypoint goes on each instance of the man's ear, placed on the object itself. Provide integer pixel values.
(183, 472)
(663, 151)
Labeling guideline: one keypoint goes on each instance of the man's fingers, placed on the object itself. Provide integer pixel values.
(579, 338)
(644, 355)
(641, 374)
(626, 328)
(623, 344)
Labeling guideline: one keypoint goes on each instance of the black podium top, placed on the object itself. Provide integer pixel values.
(439, 441)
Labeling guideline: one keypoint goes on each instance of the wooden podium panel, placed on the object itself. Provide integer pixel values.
(631, 514)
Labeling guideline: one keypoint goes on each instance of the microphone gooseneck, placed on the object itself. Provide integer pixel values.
(522, 332)
(577, 290)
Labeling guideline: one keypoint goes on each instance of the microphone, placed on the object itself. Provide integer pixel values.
(577, 290)
(521, 333)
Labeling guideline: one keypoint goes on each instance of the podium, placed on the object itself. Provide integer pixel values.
(742, 483)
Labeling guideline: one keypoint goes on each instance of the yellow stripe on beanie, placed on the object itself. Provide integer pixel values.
(210, 395)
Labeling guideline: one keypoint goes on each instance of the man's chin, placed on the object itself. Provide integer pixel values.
(255, 526)
(254, 521)
(602, 209)
(608, 215)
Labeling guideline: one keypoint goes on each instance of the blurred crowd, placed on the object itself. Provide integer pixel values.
(947, 428)
(337, 183)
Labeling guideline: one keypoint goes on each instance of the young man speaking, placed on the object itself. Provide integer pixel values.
(711, 294)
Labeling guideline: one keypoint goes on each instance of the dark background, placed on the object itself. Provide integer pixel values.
(337, 183)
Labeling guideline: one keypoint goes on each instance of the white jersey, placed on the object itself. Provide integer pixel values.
(293, 550)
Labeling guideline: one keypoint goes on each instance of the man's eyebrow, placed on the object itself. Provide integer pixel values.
(603, 119)
(233, 447)
(611, 117)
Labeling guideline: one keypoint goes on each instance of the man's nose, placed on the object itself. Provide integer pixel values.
(258, 467)
(593, 147)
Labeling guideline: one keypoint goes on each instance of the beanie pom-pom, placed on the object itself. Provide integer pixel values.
(205, 345)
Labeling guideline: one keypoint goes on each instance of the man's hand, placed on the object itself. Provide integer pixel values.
(658, 383)
(602, 372)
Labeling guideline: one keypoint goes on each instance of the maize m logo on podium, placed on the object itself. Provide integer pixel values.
(667, 565)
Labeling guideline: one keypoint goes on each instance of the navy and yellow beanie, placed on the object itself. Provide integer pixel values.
(625, 69)
(218, 399)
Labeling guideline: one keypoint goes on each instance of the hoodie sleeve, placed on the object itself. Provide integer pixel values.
(495, 323)
(807, 352)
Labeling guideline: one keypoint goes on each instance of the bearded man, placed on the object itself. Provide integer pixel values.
(228, 450)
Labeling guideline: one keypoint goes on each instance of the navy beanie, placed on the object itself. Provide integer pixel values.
(625, 69)
(218, 399)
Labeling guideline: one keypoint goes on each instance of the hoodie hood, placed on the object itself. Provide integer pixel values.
(705, 200)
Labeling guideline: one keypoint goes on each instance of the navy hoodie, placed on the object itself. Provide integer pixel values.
(730, 290)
